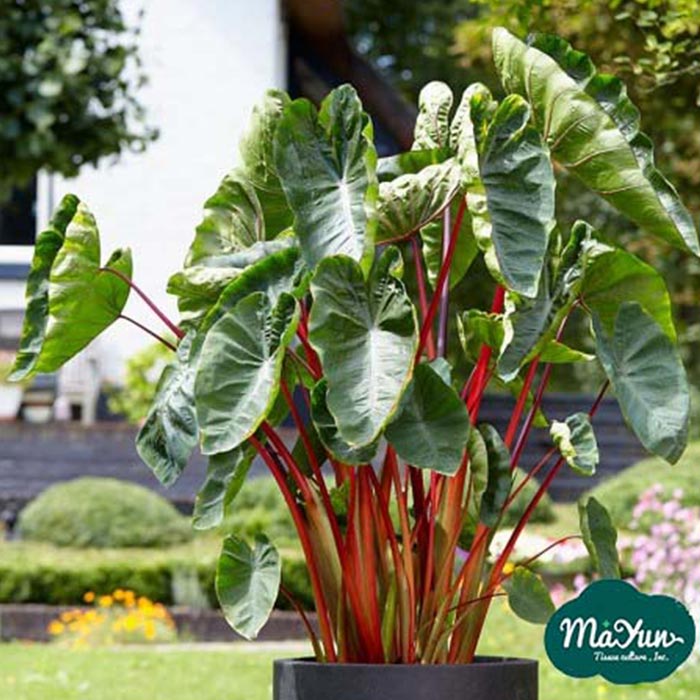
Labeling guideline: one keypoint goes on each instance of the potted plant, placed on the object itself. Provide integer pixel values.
(294, 287)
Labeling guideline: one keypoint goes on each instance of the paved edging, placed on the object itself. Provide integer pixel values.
(29, 621)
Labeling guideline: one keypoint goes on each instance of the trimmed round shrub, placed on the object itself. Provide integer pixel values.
(97, 512)
(620, 493)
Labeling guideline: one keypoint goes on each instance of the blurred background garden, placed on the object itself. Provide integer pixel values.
(106, 591)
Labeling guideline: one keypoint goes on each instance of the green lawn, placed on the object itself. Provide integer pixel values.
(243, 672)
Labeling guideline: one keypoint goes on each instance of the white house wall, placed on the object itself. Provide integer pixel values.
(208, 62)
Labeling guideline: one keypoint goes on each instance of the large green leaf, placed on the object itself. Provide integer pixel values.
(601, 276)
(600, 537)
(411, 201)
(647, 374)
(327, 431)
(257, 148)
(240, 368)
(513, 225)
(226, 473)
(169, 433)
(614, 276)
(327, 165)
(366, 336)
(232, 222)
(431, 427)
(528, 596)
(83, 299)
(577, 443)
(199, 287)
(36, 315)
(432, 128)
(592, 129)
(500, 479)
(247, 583)
(280, 271)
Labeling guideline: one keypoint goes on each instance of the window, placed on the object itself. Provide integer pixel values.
(18, 217)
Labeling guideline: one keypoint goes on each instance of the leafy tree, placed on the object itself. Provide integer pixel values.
(69, 70)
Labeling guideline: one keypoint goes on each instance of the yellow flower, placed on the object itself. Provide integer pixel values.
(508, 568)
(149, 631)
(119, 594)
(89, 597)
(130, 623)
(105, 601)
(56, 628)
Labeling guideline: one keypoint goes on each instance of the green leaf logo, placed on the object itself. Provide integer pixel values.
(625, 636)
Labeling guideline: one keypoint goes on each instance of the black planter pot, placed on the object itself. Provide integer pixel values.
(488, 678)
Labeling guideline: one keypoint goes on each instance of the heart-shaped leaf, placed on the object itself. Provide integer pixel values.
(366, 336)
(513, 224)
(592, 129)
(169, 433)
(647, 374)
(239, 369)
(600, 537)
(327, 165)
(431, 427)
(577, 443)
(247, 583)
(36, 315)
(83, 298)
(528, 596)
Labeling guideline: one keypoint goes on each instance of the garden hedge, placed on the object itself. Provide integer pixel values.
(36, 573)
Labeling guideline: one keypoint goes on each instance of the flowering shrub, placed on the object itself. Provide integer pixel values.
(662, 551)
(665, 553)
(119, 618)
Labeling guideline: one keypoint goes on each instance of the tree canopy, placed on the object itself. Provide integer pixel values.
(69, 74)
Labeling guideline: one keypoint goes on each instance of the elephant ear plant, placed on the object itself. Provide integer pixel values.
(293, 306)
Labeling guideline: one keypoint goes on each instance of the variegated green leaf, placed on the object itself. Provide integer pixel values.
(577, 443)
(327, 165)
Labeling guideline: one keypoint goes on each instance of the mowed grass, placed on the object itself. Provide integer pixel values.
(244, 672)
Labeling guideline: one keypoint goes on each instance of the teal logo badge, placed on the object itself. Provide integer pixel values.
(614, 631)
